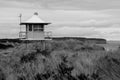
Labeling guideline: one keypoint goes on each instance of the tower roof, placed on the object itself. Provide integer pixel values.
(35, 20)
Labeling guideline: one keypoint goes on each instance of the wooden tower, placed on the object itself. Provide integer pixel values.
(34, 29)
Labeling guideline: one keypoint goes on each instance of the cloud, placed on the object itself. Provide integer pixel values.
(77, 31)
(86, 18)
(20, 4)
(82, 4)
(63, 4)
(107, 33)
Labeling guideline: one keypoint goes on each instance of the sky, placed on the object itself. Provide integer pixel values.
(77, 18)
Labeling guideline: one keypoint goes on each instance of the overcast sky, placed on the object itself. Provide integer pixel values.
(84, 18)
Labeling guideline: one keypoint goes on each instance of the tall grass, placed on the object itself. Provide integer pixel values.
(59, 60)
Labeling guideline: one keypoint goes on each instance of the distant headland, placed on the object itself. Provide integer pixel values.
(83, 39)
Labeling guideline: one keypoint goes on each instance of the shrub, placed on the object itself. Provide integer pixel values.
(54, 60)
(109, 66)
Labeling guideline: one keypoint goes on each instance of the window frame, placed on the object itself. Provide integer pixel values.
(38, 28)
(30, 27)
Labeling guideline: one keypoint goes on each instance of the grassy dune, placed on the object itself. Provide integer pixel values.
(59, 60)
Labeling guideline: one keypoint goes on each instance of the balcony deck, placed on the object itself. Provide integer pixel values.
(23, 35)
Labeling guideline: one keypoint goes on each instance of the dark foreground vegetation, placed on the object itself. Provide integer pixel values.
(58, 60)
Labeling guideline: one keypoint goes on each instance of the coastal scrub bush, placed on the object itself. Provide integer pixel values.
(59, 60)
(109, 66)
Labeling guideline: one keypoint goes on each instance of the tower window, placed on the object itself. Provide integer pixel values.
(38, 28)
(30, 27)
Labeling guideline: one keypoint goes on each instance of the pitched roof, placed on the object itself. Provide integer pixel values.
(35, 20)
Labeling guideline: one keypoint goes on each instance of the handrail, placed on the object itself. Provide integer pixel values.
(48, 35)
(22, 34)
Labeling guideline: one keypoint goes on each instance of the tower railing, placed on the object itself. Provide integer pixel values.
(22, 35)
(48, 35)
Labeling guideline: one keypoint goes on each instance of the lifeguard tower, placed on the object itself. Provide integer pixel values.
(35, 29)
